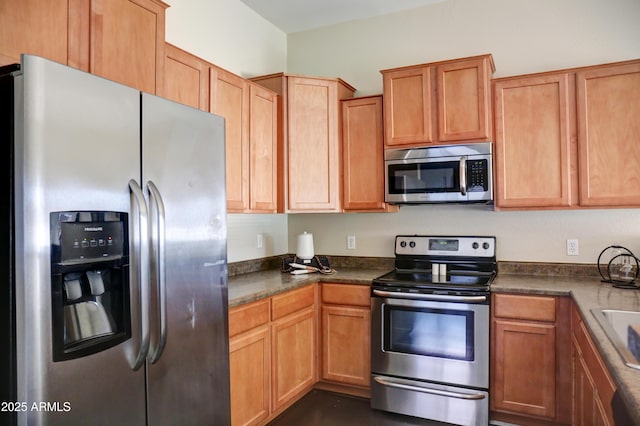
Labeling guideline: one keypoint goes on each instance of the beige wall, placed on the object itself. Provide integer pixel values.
(229, 34)
(524, 36)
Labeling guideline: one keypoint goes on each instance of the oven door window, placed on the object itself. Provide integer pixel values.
(429, 177)
(439, 333)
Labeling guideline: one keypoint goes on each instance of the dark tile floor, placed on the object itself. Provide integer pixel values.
(323, 408)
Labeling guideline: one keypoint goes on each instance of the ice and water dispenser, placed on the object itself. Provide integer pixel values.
(90, 282)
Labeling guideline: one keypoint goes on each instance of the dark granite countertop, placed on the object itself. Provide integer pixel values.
(587, 292)
(254, 286)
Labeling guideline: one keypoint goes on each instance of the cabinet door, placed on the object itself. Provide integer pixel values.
(313, 149)
(230, 99)
(186, 78)
(294, 356)
(346, 345)
(464, 111)
(34, 27)
(250, 364)
(363, 154)
(609, 135)
(408, 106)
(263, 150)
(127, 42)
(535, 141)
(583, 393)
(524, 368)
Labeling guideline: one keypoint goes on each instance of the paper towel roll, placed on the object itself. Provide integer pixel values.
(305, 246)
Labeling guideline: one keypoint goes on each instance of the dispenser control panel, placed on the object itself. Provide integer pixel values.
(91, 240)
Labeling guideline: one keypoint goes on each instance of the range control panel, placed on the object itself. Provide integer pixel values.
(423, 245)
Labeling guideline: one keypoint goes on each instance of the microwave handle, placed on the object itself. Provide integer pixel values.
(463, 175)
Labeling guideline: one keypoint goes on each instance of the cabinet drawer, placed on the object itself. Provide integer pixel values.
(346, 294)
(292, 301)
(533, 308)
(246, 317)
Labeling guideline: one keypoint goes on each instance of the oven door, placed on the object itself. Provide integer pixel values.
(444, 340)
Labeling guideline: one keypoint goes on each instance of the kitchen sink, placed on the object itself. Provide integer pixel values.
(616, 324)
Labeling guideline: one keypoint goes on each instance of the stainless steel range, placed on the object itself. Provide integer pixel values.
(430, 329)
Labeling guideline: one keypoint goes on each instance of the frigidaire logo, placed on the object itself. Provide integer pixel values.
(93, 228)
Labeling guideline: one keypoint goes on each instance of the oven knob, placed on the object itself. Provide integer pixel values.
(475, 245)
(485, 246)
(403, 244)
(412, 244)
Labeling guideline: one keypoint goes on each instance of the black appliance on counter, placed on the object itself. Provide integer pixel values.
(430, 329)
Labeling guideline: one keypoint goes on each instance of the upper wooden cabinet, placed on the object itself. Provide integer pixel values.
(263, 150)
(186, 78)
(535, 141)
(310, 140)
(363, 155)
(127, 42)
(569, 138)
(230, 99)
(440, 102)
(609, 134)
(251, 118)
(36, 27)
(122, 40)
(408, 99)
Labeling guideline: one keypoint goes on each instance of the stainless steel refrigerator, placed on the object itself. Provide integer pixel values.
(114, 272)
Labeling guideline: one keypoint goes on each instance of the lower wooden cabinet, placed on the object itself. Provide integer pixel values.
(250, 362)
(346, 322)
(272, 354)
(530, 361)
(294, 356)
(593, 387)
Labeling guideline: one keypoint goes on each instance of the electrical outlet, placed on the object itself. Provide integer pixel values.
(572, 247)
(351, 242)
(259, 241)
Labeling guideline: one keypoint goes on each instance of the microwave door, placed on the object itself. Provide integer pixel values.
(432, 181)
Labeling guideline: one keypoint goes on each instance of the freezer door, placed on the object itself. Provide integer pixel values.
(183, 157)
(77, 145)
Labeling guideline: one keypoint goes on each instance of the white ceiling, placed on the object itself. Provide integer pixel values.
(300, 15)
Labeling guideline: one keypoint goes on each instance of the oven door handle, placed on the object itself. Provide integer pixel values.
(434, 297)
(394, 384)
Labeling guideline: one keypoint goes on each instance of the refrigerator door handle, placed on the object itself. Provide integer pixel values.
(159, 265)
(142, 267)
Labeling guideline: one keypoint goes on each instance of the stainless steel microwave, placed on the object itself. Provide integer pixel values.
(439, 174)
